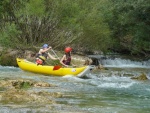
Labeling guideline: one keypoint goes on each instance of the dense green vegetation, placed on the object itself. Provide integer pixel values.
(107, 25)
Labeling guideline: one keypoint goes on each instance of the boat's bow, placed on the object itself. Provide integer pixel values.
(87, 70)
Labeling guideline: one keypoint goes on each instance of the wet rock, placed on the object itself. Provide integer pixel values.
(100, 67)
(6, 83)
(21, 96)
(94, 61)
(2, 89)
(14, 92)
(88, 61)
(128, 75)
(140, 77)
(53, 94)
(21, 84)
(42, 84)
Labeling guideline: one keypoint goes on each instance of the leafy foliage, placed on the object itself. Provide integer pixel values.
(116, 25)
(131, 19)
(9, 34)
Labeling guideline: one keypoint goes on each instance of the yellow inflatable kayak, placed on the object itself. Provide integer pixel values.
(50, 70)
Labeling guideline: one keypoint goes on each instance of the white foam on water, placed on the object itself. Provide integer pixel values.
(118, 62)
(148, 89)
(115, 85)
(68, 76)
(8, 67)
(113, 82)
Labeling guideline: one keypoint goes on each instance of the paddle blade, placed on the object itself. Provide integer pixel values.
(56, 67)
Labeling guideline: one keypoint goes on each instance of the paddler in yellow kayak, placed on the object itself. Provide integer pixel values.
(43, 54)
(66, 59)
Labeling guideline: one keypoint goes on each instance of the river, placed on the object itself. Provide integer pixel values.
(103, 91)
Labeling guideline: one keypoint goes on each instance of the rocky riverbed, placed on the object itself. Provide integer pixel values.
(18, 91)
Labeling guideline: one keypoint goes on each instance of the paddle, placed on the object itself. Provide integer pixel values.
(55, 53)
(56, 67)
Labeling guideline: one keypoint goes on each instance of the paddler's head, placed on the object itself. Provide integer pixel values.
(68, 49)
(45, 46)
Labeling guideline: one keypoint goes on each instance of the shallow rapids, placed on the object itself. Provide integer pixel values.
(102, 91)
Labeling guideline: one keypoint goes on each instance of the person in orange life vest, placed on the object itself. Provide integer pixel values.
(66, 59)
(43, 54)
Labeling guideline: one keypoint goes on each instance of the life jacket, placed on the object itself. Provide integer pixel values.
(39, 62)
(41, 58)
(67, 61)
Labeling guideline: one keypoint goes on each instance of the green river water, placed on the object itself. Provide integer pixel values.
(103, 91)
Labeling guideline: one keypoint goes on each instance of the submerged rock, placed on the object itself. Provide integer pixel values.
(42, 84)
(21, 84)
(16, 91)
(23, 96)
(140, 77)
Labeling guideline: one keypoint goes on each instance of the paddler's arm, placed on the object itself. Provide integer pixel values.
(44, 50)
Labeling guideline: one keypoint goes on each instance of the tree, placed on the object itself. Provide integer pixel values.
(129, 23)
